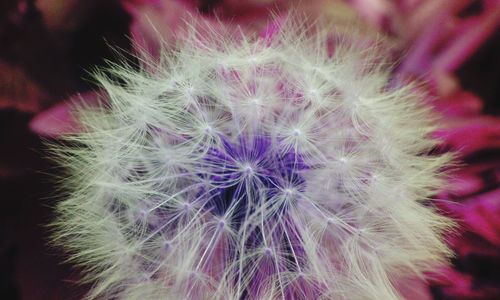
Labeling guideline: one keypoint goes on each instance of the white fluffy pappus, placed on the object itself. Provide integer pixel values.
(239, 167)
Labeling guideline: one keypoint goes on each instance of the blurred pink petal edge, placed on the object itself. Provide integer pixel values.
(154, 22)
(58, 119)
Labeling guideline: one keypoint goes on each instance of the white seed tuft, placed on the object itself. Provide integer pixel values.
(253, 168)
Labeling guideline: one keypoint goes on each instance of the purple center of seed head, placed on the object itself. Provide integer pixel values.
(270, 170)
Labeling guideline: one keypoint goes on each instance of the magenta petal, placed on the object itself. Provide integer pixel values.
(482, 216)
(476, 31)
(458, 104)
(469, 243)
(458, 284)
(463, 183)
(466, 135)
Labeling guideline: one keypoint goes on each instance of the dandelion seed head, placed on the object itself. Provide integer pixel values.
(251, 168)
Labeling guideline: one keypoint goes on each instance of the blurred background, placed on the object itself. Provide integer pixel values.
(48, 48)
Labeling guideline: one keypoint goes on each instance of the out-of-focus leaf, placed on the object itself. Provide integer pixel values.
(61, 14)
(18, 91)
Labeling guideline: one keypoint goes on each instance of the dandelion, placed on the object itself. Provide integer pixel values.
(237, 167)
